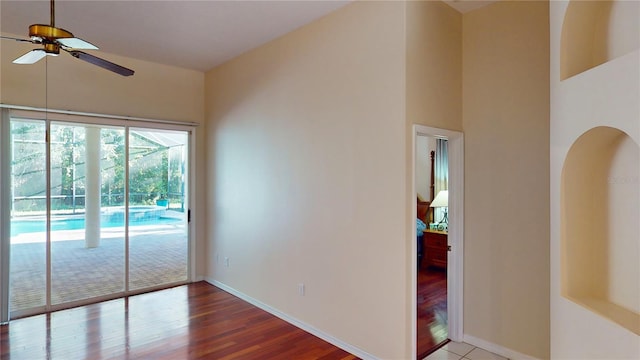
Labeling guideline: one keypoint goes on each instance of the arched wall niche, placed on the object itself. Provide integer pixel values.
(595, 32)
(600, 238)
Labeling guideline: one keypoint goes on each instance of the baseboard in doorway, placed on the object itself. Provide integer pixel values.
(496, 349)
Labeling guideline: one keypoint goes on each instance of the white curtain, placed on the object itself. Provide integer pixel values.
(441, 174)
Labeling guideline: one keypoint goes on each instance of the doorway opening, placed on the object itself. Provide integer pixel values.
(437, 254)
(431, 179)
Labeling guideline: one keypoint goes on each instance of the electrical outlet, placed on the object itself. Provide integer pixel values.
(301, 289)
(226, 261)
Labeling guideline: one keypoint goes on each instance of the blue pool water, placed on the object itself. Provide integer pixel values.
(30, 226)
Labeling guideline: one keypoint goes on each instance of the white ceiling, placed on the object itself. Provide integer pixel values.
(196, 35)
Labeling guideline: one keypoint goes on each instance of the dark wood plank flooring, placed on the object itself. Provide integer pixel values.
(196, 321)
(432, 324)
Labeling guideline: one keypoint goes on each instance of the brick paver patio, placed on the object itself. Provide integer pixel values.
(158, 255)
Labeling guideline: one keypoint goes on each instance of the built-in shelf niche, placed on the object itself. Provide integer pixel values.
(595, 32)
(600, 206)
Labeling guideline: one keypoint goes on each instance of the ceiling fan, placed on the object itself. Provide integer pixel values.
(54, 39)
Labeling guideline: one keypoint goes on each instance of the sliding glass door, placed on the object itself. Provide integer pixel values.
(157, 208)
(28, 250)
(87, 250)
(97, 212)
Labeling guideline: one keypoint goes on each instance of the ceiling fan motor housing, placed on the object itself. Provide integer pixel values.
(49, 35)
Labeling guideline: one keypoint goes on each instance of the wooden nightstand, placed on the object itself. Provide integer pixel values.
(435, 248)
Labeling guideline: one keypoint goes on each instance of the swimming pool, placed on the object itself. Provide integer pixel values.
(108, 220)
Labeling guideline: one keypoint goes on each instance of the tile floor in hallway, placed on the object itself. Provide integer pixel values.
(462, 351)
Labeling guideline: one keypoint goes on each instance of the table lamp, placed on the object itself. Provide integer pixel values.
(442, 201)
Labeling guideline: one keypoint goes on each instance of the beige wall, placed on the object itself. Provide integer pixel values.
(506, 126)
(596, 32)
(65, 83)
(600, 320)
(434, 65)
(433, 32)
(270, 109)
(155, 91)
(599, 243)
(307, 174)
(307, 161)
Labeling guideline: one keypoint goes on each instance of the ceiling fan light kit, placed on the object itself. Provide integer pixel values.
(53, 39)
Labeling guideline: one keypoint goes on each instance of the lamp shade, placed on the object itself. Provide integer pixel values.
(441, 200)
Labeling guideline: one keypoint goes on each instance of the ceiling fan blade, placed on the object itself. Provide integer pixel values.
(101, 62)
(76, 43)
(31, 57)
(17, 39)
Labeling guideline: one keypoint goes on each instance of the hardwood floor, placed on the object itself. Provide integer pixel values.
(195, 321)
(432, 321)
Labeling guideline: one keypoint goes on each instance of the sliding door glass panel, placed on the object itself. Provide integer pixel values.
(87, 239)
(158, 237)
(70, 202)
(28, 270)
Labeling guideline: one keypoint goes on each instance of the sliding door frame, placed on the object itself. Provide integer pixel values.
(5, 216)
(48, 116)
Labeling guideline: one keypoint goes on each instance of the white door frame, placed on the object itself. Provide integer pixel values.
(456, 231)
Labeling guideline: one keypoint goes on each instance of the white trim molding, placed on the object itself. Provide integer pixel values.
(96, 115)
(496, 349)
(293, 321)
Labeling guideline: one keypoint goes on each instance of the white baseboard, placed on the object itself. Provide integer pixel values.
(496, 349)
(293, 321)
